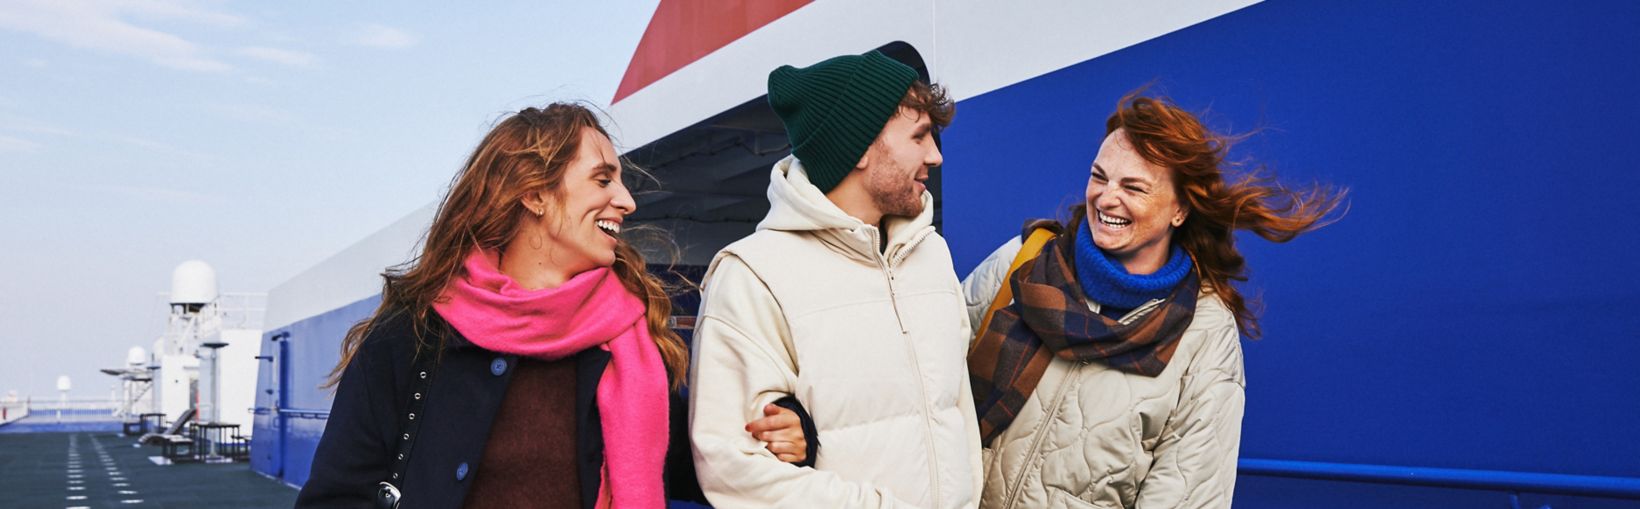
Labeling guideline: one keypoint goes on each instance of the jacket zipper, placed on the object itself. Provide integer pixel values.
(888, 265)
(916, 363)
(888, 273)
(1041, 434)
(1139, 312)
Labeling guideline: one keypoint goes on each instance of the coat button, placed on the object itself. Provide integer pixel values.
(498, 366)
(461, 472)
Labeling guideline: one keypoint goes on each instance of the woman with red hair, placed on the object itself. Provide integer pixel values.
(1113, 376)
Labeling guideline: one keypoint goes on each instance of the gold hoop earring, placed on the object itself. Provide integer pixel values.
(536, 242)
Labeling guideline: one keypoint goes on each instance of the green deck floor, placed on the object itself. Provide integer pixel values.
(65, 470)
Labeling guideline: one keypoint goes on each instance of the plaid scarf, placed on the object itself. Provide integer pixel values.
(1050, 318)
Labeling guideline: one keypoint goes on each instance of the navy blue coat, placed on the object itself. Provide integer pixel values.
(468, 385)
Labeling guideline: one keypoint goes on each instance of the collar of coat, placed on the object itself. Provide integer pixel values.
(796, 205)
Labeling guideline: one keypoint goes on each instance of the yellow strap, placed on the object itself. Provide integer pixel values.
(1005, 295)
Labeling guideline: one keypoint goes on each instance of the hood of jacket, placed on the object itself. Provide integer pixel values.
(796, 205)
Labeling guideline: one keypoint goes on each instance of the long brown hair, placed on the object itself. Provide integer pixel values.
(1170, 137)
(525, 153)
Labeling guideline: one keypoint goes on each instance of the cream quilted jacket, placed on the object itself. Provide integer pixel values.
(1091, 436)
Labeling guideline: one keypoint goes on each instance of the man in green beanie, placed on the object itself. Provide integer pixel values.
(845, 297)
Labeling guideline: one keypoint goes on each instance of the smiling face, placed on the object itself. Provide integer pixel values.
(896, 166)
(1133, 206)
(581, 220)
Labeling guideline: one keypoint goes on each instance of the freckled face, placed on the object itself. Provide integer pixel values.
(1133, 206)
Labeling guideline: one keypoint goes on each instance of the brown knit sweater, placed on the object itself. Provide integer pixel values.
(529, 460)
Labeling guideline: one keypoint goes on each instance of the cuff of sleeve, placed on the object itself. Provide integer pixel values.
(810, 434)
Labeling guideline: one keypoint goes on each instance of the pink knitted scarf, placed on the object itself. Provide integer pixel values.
(590, 310)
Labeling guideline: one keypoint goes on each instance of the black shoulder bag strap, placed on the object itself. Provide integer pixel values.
(387, 492)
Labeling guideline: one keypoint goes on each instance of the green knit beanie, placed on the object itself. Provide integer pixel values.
(833, 110)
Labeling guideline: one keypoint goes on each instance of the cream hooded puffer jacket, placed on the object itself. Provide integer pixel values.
(1092, 436)
(871, 341)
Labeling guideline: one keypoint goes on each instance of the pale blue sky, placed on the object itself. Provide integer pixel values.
(260, 137)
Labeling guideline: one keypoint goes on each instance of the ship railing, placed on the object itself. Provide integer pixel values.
(242, 310)
(12, 411)
(1513, 483)
(293, 413)
(81, 405)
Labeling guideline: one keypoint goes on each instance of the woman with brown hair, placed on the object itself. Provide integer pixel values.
(1113, 375)
(523, 359)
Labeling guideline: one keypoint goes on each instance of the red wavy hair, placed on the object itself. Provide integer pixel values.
(1170, 137)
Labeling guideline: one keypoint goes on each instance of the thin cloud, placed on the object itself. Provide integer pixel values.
(384, 37)
(278, 56)
(103, 27)
(194, 64)
(17, 145)
(167, 195)
(163, 148)
(37, 63)
(173, 10)
(20, 124)
(255, 113)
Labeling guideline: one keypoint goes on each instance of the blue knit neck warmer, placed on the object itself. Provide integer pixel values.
(1105, 281)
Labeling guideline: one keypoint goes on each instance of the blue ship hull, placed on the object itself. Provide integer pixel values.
(1470, 323)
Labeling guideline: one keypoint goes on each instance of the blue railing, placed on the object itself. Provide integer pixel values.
(1494, 480)
(294, 413)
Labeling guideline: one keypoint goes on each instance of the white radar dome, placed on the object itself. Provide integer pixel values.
(63, 384)
(193, 282)
(136, 356)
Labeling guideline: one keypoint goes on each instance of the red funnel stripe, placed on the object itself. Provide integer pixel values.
(683, 31)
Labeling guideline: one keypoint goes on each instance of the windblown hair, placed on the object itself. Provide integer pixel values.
(931, 100)
(525, 153)
(1170, 137)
